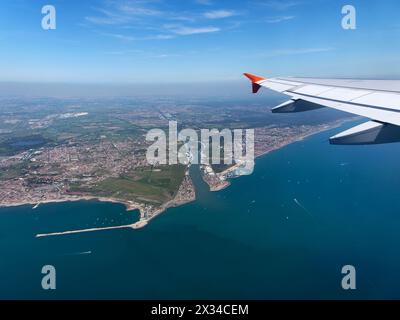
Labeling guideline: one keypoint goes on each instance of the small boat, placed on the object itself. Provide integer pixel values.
(36, 206)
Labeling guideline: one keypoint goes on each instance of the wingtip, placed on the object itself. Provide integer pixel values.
(253, 78)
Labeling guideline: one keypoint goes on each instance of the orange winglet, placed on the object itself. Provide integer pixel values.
(253, 77)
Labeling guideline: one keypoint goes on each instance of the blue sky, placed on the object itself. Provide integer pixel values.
(171, 41)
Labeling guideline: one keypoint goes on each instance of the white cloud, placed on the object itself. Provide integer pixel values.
(289, 52)
(280, 19)
(166, 55)
(219, 14)
(131, 38)
(184, 30)
(161, 37)
(138, 11)
(119, 36)
(280, 5)
(108, 18)
(183, 18)
(143, 15)
(127, 12)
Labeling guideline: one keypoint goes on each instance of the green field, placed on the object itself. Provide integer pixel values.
(149, 185)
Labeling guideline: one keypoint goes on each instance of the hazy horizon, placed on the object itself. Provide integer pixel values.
(65, 90)
(234, 88)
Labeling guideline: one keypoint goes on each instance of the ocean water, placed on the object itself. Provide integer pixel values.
(285, 232)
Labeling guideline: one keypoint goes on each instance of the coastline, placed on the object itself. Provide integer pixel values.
(141, 223)
(227, 182)
(130, 206)
(144, 218)
(305, 136)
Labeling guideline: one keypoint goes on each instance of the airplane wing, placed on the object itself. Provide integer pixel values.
(378, 100)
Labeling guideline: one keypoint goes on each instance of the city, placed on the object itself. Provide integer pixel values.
(44, 158)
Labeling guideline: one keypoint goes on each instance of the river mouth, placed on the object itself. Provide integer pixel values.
(200, 186)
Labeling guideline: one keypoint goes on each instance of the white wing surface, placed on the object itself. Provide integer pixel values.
(378, 100)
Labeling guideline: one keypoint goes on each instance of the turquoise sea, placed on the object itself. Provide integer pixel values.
(283, 232)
